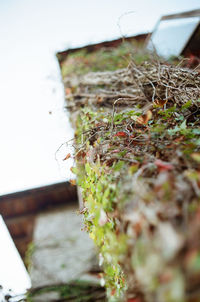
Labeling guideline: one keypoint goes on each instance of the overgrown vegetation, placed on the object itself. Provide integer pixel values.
(111, 175)
(82, 61)
(137, 152)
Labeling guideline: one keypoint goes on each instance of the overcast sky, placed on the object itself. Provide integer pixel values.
(13, 274)
(31, 31)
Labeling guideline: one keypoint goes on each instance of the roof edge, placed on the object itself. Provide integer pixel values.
(186, 14)
(61, 55)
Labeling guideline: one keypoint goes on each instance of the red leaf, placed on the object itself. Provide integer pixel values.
(113, 292)
(134, 300)
(121, 133)
(163, 166)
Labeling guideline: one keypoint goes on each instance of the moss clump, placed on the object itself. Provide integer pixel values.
(100, 193)
(29, 253)
(108, 171)
(137, 153)
(82, 62)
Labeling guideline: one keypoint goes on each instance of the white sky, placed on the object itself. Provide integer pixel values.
(13, 273)
(31, 31)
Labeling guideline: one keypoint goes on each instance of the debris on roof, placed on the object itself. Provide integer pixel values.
(106, 45)
(137, 153)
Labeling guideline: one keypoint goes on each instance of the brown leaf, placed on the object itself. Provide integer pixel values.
(143, 119)
(72, 182)
(67, 156)
(68, 91)
(99, 100)
(160, 103)
(163, 166)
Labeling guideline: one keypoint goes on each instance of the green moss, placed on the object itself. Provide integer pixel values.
(100, 192)
(128, 160)
(107, 186)
(29, 253)
(82, 62)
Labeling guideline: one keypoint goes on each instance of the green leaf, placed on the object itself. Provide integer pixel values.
(186, 105)
(183, 125)
(118, 165)
(87, 168)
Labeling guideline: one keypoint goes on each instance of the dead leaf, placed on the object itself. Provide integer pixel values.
(134, 300)
(73, 170)
(143, 119)
(72, 182)
(121, 134)
(160, 103)
(68, 91)
(67, 156)
(163, 166)
(113, 292)
(196, 156)
(99, 100)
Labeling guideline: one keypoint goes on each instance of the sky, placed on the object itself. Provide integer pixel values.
(31, 32)
(13, 273)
